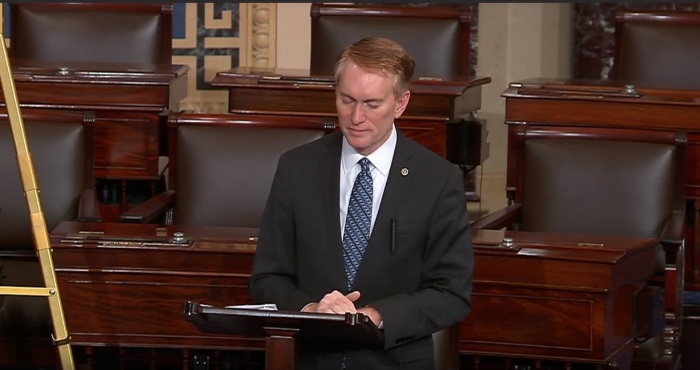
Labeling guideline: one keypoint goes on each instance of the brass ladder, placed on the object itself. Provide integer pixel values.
(36, 216)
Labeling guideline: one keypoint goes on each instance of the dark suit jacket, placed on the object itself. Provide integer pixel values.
(423, 286)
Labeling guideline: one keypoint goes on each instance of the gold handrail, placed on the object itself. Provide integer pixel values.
(36, 217)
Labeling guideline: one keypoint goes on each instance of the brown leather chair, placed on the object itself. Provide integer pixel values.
(92, 32)
(60, 145)
(604, 181)
(657, 49)
(222, 165)
(437, 36)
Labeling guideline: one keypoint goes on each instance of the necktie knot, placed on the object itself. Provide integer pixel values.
(364, 165)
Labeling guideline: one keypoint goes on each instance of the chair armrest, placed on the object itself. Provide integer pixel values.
(151, 209)
(88, 208)
(504, 217)
(673, 235)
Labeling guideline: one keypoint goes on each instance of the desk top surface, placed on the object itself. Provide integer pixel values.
(594, 248)
(285, 78)
(151, 236)
(52, 71)
(591, 248)
(608, 90)
(598, 103)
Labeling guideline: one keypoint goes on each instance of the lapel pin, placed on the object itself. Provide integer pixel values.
(404, 171)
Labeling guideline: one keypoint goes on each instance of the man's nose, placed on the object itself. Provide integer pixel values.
(358, 113)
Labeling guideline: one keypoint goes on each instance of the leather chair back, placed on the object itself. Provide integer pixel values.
(61, 153)
(92, 32)
(657, 49)
(580, 186)
(436, 36)
(222, 166)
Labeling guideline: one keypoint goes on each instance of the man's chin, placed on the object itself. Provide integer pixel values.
(358, 143)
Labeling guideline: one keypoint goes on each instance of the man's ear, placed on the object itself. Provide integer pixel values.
(402, 103)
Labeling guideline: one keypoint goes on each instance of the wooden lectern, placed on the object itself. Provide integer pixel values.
(286, 331)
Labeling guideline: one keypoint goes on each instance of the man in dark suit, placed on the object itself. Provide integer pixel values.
(412, 275)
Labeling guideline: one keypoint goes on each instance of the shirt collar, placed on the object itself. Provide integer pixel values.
(380, 158)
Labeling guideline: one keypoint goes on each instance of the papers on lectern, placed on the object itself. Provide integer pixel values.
(264, 307)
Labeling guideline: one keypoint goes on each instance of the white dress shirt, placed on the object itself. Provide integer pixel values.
(349, 168)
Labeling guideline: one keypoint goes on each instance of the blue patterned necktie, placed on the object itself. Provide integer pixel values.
(358, 221)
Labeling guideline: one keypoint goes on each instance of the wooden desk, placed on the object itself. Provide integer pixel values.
(441, 114)
(558, 297)
(561, 103)
(129, 100)
(127, 285)
(550, 299)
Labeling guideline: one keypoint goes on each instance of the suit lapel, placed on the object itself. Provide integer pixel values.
(397, 183)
